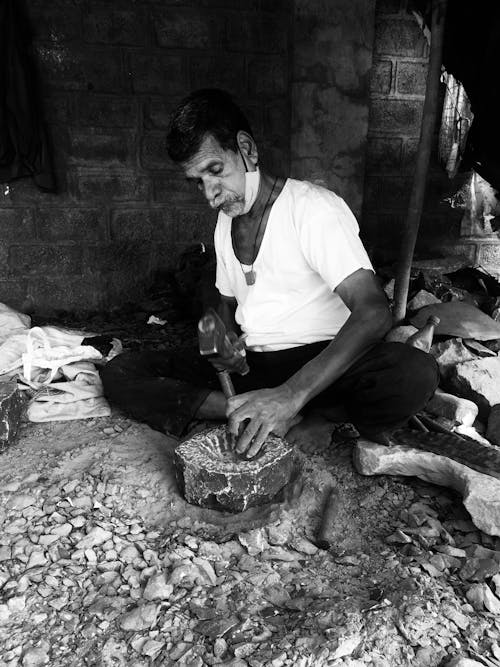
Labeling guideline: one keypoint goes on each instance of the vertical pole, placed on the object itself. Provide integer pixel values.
(415, 205)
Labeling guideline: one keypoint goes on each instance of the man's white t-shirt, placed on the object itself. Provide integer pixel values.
(310, 245)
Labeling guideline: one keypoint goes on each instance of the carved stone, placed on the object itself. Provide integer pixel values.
(211, 474)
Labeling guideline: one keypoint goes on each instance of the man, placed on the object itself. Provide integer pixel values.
(295, 280)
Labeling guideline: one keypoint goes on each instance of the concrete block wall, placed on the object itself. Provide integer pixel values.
(400, 61)
(332, 58)
(111, 72)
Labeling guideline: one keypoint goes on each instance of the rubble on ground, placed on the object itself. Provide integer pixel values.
(102, 562)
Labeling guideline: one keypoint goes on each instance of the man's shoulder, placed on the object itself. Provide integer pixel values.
(311, 201)
(307, 191)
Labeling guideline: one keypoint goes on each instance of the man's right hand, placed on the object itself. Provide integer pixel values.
(233, 358)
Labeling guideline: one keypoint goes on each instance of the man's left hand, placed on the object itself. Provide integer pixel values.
(265, 410)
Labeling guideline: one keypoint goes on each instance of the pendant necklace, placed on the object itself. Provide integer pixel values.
(251, 276)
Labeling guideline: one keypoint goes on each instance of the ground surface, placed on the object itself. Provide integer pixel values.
(91, 513)
(103, 563)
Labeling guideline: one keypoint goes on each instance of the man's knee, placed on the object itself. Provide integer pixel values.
(119, 370)
(418, 371)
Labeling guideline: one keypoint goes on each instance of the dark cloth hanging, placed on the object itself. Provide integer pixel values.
(471, 54)
(24, 149)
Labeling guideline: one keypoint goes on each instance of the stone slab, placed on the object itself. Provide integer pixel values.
(493, 429)
(460, 319)
(479, 381)
(11, 409)
(452, 407)
(449, 353)
(211, 474)
(421, 299)
(480, 493)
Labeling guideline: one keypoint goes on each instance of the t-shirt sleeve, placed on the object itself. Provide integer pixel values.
(329, 235)
(222, 280)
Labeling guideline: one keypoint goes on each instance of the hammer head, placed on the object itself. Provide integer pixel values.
(211, 334)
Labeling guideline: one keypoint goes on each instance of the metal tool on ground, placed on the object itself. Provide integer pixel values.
(214, 341)
(326, 532)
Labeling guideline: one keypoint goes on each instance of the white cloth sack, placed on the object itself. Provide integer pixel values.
(38, 356)
(80, 397)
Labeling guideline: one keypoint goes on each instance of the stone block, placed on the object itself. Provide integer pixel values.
(153, 151)
(381, 77)
(24, 192)
(116, 186)
(489, 254)
(51, 294)
(188, 28)
(56, 109)
(157, 112)
(71, 224)
(43, 260)
(11, 408)
(106, 110)
(77, 68)
(116, 26)
(493, 430)
(16, 225)
(261, 34)
(60, 24)
(195, 225)
(388, 6)
(480, 493)
(384, 153)
(422, 298)
(145, 224)
(479, 381)
(449, 353)
(267, 75)
(13, 292)
(104, 148)
(127, 257)
(452, 407)
(396, 116)
(164, 74)
(171, 187)
(218, 71)
(411, 78)
(399, 38)
(211, 474)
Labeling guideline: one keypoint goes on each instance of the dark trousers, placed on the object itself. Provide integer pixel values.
(380, 391)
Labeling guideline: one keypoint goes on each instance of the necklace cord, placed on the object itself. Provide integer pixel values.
(251, 272)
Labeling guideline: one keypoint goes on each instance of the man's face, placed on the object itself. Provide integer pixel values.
(219, 175)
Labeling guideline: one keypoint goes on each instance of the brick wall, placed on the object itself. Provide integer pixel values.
(332, 58)
(400, 61)
(111, 72)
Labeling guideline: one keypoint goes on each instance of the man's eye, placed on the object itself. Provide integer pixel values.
(216, 170)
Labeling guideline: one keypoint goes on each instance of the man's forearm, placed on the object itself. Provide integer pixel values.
(227, 310)
(357, 336)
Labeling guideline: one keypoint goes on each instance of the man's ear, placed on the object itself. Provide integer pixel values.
(248, 147)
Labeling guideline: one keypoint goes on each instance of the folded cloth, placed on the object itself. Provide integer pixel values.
(54, 366)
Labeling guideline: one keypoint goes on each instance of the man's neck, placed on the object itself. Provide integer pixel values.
(267, 181)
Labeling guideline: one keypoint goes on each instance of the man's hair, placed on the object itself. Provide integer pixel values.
(206, 111)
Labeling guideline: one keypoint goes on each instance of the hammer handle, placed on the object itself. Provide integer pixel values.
(226, 383)
(331, 509)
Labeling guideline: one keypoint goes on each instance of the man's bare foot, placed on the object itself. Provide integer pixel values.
(313, 433)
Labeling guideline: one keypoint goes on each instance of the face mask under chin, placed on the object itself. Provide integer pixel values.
(252, 184)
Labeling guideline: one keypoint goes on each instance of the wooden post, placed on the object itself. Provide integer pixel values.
(415, 205)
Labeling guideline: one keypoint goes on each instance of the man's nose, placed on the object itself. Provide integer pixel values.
(211, 190)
